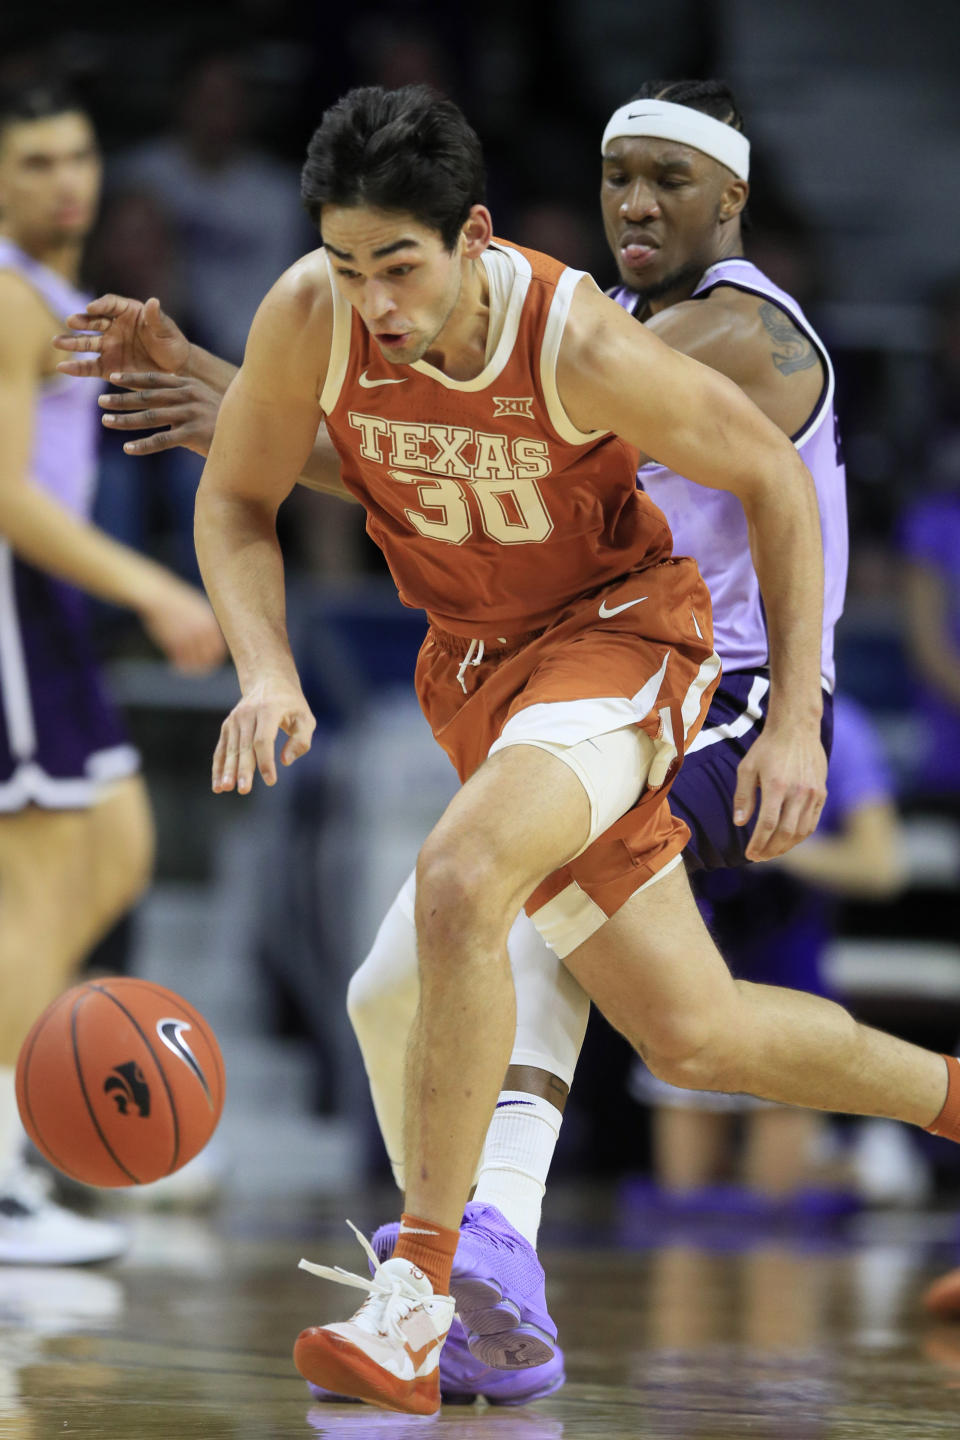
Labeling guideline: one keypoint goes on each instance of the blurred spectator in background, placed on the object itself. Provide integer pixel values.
(773, 924)
(134, 250)
(236, 210)
(234, 217)
(930, 540)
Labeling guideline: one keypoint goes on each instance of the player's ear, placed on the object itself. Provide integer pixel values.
(477, 231)
(733, 199)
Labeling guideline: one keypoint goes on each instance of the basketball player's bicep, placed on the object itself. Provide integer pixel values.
(268, 420)
(261, 443)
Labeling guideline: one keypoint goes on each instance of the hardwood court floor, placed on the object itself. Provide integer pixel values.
(713, 1334)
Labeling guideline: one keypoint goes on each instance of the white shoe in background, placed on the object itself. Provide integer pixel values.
(888, 1168)
(34, 1230)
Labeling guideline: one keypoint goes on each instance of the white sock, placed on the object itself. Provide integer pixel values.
(11, 1130)
(516, 1159)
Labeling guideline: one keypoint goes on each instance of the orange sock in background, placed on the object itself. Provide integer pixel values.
(430, 1247)
(947, 1122)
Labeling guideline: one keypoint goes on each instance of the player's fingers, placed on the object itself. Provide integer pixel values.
(300, 732)
(147, 380)
(154, 443)
(144, 419)
(264, 746)
(85, 366)
(241, 763)
(789, 829)
(772, 797)
(85, 341)
(109, 305)
(810, 814)
(218, 767)
(746, 791)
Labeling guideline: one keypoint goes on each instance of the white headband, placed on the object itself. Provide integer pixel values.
(661, 120)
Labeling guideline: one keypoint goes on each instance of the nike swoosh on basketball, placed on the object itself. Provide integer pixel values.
(605, 611)
(372, 384)
(418, 1356)
(171, 1033)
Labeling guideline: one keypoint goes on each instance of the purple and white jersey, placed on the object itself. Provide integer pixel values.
(61, 737)
(711, 526)
(66, 422)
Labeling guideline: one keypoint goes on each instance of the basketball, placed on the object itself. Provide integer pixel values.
(120, 1082)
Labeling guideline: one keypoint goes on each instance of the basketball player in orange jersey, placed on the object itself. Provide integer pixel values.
(661, 981)
(76, 834)
(567, 664)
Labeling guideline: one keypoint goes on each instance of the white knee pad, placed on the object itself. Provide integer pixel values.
(382, 1000)
(552, 1009)
(613, 768)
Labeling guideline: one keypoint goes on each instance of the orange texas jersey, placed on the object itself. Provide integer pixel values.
(493, 511)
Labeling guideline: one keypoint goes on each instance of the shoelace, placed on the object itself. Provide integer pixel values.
(389, 1300)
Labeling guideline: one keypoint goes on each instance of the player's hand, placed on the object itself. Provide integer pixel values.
(187, 407)
(123, 334)
(180, 621)
(249, 733)
(789, 766)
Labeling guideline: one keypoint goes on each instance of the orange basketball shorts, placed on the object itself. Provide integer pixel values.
(645, 641)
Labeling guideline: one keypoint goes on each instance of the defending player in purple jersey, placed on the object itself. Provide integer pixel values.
(713, 527)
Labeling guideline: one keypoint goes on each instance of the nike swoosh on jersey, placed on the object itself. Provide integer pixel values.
(372, 384)
(606, 611)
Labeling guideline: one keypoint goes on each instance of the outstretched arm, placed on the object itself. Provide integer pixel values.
(172, 387)
(265, 430)
(116, 333)
(615, 375)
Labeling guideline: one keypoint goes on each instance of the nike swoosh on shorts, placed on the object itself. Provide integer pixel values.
(605, 612)
(372, 384)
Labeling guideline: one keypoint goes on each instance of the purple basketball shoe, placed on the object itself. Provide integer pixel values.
(498, 1284)
(503, 1281)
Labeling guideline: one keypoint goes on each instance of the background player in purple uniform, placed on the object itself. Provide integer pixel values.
(76, 835)
(672, 213)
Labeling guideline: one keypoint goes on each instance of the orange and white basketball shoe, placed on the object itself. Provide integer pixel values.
(388, 1353)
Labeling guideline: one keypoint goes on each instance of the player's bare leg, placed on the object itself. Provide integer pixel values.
(65, 877)
(523, 814)
(654, 967)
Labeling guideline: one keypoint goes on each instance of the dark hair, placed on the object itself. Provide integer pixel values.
(36, 102)
(408, 150)
(713, 97)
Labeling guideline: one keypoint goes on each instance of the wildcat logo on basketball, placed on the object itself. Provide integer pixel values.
(128, 1087)
(513, 405)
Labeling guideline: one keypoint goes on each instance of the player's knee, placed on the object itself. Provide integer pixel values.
(692, 1052)
(373, 994)
(456, 888)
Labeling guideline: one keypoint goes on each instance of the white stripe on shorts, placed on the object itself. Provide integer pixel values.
(14, 679)
(733, 729)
